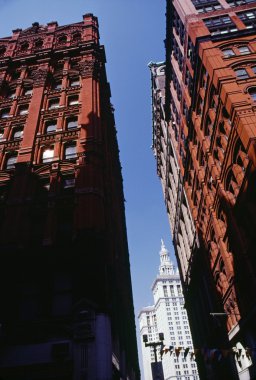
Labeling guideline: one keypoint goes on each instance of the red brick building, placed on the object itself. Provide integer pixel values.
(206, 126)
(65, 294)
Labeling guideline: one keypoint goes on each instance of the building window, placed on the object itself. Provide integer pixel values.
(241, 73)
(53, 103)
(73, 100)
(243, 50)
(68, 183)
(228, 53)
(204, 6)
(27, 91)
(1, 133)
(254, 69)
(11, 161)
(76, 36)
(5, 113)
(220, 25)
(248, 17)
(24, 46)
(56, 85)
(50, 126)
(38, 43)
(23, 110)
(236, 3)
(70, 151)
(252, 92)
(74, 82)
(62, 39)
(72, 123)
(11, 94)
(17, 133)
(47, 155)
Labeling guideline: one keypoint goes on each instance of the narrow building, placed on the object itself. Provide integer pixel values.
(167, 316)
(204, 142)
(66, 308)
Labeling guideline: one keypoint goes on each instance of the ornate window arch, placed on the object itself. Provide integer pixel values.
(62, 39)
(76, 36)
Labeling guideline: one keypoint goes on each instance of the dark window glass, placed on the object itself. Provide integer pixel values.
(72, 123)
(51, 126)
(70, 151)
(241, 73)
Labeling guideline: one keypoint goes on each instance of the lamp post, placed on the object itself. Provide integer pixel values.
(156, 367)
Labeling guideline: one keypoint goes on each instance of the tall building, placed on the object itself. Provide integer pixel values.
(66, 308)
(204, 141)
(167, 316)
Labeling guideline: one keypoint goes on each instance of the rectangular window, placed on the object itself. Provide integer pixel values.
(244, 50)
(74, 82)
(18, 133)
(50, 126)
(220, 25)
(23, 110)
(5, 113)
(73, 100)
(241, 74)
(53, 103)
(72, 123)
(248, 18)
(70, 152)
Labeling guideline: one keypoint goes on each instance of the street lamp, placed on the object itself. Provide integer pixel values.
(156, 367)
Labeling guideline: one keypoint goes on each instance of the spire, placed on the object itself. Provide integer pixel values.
(166, 265)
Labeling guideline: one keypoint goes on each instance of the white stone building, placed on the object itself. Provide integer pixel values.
(168, 316)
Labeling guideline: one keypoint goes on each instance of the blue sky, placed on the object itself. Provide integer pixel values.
(132, 32)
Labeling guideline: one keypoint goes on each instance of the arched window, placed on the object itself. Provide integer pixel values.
(11, 161)
(62, 39)
(252, 92)
(24, 46)
(76, 36)
(38, 43)
(47, 155)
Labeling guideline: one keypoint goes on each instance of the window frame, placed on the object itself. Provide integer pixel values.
(53, 101)
(50, 158)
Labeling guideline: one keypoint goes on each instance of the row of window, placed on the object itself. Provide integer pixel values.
(243, 73)
(53, 103)
(236, 50)
(55, 85)
(224, 24)
(49, 127)
(47, 155)
(39, 43)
